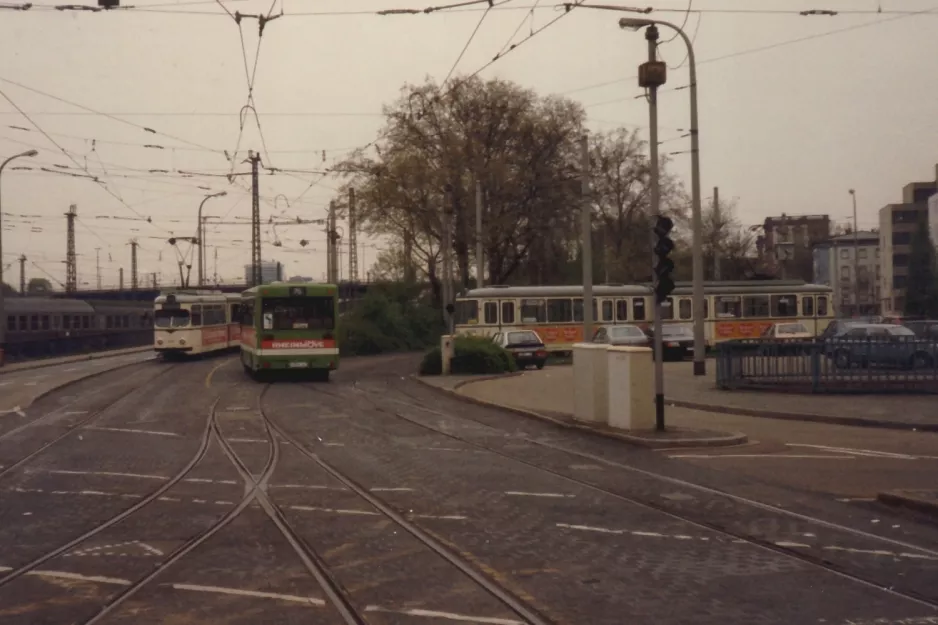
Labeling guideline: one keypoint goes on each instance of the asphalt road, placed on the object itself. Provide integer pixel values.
(187, 493)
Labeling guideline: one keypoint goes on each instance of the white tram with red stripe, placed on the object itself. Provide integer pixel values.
(189, 323)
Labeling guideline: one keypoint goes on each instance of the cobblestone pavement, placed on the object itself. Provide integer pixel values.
(197, 495)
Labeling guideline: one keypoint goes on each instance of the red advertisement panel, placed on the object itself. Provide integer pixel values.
(214, 336)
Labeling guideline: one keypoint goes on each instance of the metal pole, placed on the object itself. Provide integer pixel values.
(198, 235)
(480, 263)
(22, 275)
(856, 256)
(716, 223)
(447, 265)
(651, 34)
(3, 318)
(586, 238)
(700, 347)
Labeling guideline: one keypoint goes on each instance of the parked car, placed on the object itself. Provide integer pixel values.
(924, 329)
(677, 340)
(625, 335)
(881, 344)
(525, 346)
(787, 330)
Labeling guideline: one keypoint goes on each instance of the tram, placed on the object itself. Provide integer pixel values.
(732, 310)
(288, 326)
(190, 323)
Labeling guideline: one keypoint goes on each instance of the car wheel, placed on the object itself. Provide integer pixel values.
(540, 365)
(842, 360)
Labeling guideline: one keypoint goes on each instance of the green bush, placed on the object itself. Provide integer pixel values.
(389, 318)
(473, 355)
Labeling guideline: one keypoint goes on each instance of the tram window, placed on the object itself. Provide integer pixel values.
(56, 322)
(235, 313)
(126, 321)
(578, 309)
(622, 310)
(23, 324)
(45, 322)
(728, 308)
(508, 312)
(607, 310)
(33, 323)
(11, 323)
(247, 314)
(559, 311)
(667, 309)
(85, 322)
(756, 306)
(638, 309)
(196, 315)
(784, 306)
(177, 318)
(685, 309)
(533, 311)
(491, 313)
(822, 306)
(467, 311)
(807, 306)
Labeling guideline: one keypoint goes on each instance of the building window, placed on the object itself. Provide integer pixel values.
(900, 260)
(844, 252)
(845, 273)
(901, 238)
(861, 253)
(898, 282)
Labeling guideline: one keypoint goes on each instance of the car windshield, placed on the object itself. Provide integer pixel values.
(672, 330)
(627, 332)
(517, 338)
(792, 328)
(171, 318)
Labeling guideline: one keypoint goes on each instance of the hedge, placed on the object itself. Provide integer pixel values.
(473, 355)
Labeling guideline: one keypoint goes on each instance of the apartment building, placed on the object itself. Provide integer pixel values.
(856, 281)
(897, 225)
(785, 247)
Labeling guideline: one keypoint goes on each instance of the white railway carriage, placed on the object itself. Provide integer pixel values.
(192, 323)
(732, 310)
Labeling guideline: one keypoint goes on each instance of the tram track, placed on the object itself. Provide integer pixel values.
(825, 564)
(319, 569)
(71, 429)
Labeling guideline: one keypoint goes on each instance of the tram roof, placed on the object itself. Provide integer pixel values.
(619, 290)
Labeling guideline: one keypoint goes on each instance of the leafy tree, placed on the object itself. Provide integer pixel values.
(437, 143)
(38, 286)
(921, 298)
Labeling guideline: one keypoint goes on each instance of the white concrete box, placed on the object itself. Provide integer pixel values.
(590, 382)
(631, 396)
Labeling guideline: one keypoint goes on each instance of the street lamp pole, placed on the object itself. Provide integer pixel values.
(200, 234)
(856, 255)
(700, 362)
(3, 319)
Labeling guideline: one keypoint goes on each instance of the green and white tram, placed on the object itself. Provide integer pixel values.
(288, 326)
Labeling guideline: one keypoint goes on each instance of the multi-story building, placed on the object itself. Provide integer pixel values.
(786, 243)
(271, 271)
(897, 225)
(856, 286)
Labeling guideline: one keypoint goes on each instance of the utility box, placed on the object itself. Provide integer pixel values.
(631, 397)
(590, 383)
(447, 351)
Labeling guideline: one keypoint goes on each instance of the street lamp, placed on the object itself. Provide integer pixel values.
(200, 234)
(634, 23)
(3, 319)
(856, 255)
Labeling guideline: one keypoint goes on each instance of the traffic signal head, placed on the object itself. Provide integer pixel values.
(663, 226)
(664, 266)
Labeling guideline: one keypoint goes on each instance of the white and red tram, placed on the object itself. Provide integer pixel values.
(192, 323)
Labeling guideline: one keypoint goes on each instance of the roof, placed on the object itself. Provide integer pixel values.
(47, 305)
(683, 288)
(862, 235)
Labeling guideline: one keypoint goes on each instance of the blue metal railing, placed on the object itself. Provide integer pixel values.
(890, 365)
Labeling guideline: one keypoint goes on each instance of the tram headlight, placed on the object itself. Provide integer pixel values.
(182, 341)
(160, 342)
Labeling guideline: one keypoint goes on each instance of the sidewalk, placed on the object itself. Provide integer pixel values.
(895, 411)
(531, 394)
(20, 388)
(52, 362)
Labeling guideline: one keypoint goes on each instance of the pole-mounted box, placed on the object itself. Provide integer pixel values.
(652, 74)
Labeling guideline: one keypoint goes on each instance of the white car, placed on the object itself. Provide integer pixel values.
(787, 330)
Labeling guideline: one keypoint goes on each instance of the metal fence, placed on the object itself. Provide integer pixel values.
(896, 365)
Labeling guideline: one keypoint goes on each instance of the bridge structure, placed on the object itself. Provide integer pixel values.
(347, 291)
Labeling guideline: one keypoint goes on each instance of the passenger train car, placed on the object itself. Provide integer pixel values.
(732, 310)
(189, 323)
(38, 327)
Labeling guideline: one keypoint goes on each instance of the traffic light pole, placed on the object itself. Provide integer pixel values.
(649, 79)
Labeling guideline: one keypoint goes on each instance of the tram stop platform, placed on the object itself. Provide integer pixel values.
(548, 395)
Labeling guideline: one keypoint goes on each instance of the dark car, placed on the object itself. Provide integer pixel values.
(677, 341)
(525, 346)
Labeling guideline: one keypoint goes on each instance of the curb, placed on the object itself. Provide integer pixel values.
(908, 499)
(806, 416)
(735, 438)
(90, 376)
(40, 364)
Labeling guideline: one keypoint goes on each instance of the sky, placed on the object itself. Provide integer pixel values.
(794, 111)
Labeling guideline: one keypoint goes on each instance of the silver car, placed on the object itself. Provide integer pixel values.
(622, 335)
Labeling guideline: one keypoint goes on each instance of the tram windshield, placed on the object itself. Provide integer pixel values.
(171, 318)
(299, 313)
